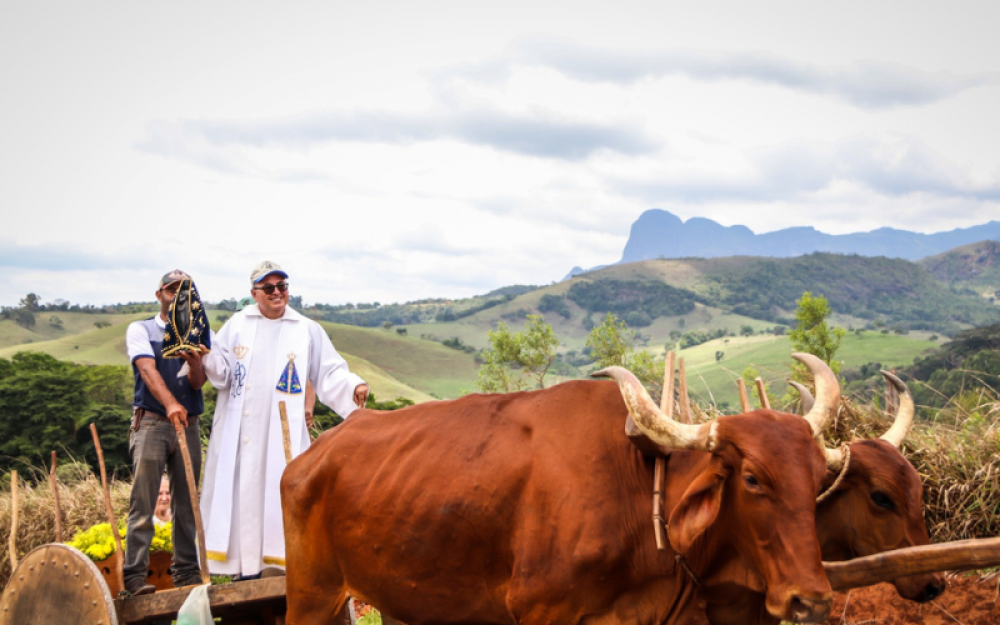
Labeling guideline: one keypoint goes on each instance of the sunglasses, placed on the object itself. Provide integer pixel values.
(269, 288)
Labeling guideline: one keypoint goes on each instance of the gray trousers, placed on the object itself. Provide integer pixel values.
(153, 448)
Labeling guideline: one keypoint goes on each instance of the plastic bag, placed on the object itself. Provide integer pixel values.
(196, 609)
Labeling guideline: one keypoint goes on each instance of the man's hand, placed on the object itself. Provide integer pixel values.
(309, 419)
(196, 369)
(178, 415)
(361, 395)
(193, 356)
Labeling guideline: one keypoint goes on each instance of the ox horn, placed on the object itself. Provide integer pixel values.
(904, 415)
(658, 426)
(827, 400)
(805, 397)
(834, 457)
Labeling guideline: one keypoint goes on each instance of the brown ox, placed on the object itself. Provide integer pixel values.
(874, 507)
(535, 508)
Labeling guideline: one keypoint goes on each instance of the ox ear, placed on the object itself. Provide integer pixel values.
(697, 510)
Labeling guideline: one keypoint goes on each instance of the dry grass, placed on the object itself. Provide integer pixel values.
(81, 500)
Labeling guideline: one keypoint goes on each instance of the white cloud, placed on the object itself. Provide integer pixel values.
(446, 149)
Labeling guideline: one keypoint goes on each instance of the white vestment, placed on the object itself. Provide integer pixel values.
(255, 363)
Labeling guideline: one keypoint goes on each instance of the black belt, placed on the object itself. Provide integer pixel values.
(139, 413)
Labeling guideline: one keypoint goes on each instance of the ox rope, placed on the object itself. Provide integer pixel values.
(660, 522)
(694, 578)
(840, 478)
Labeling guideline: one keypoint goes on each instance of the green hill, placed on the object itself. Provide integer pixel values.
(975, 267)
(712, 381)
(428, 369)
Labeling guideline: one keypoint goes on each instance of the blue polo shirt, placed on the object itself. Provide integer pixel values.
(144, 339)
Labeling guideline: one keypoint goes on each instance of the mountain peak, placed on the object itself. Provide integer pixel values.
(660, 234)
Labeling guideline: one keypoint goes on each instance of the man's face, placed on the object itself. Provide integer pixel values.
(271, 305)
(166, 296)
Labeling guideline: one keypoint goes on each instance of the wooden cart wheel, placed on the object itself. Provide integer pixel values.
(56, 583)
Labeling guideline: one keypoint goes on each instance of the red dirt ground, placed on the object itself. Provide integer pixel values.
(969, 600)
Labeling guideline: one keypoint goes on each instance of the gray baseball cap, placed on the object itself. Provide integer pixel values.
(265, 269)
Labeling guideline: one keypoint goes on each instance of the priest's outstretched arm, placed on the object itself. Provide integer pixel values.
(335, 384)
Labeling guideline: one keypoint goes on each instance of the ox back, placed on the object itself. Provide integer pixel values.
(535, 508)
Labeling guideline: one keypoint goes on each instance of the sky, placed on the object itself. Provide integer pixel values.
(392, 151)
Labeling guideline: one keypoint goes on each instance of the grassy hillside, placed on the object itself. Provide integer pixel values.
(975, 267)
(429, 369)
(715, 382)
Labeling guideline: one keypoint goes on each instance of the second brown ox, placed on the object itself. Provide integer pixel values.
(534, 508)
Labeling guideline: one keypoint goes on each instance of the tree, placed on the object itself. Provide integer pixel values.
(812, 335)
(612, 343)
(719, 355)
(47, 404)
(30, 302)
(24, 318)
(56, 322)
(515, 360)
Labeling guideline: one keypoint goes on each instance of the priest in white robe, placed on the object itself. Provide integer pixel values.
(263, 355)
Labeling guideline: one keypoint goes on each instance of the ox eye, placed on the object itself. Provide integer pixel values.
(751, 482)
(883, 501)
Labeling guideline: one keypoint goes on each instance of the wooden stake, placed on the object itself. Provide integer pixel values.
(286, 437)
(667, 398)
(120, 568)
(660, 464)
(12, 545)
(762, 394)
(195, 506)
(685, 413)
(744, 400)
(55, 497)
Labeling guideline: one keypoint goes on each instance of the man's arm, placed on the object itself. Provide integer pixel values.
(333, 381)
(196, 369)
(154, 382)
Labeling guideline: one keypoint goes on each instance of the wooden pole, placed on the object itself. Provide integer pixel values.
(195, 506)
(660, 464)
(685, 412)
(744, 400)
(12, 545)
(55, 497)
(976, 553)
(762, 394)
(120, 568)
(667, 398)
(286, 437)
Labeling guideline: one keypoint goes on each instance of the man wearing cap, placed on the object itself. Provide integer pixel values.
(265, 354)
(163, 394)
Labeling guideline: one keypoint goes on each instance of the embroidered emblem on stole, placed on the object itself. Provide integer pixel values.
(289, 383)
(239, 371)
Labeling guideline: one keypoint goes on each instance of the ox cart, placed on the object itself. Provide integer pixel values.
(56, 583)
